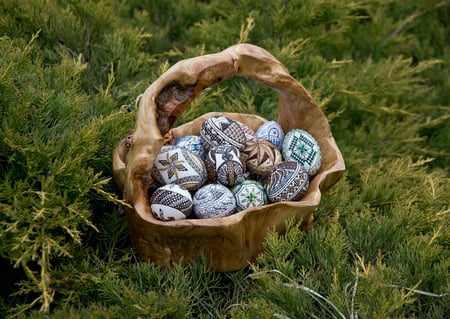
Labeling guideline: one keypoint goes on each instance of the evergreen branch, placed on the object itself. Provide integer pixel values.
(98, 188)
(293, 284)
(245, 31)
(47, 293)
(417, 291)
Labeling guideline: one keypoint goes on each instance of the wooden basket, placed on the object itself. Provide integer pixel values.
(230, 242)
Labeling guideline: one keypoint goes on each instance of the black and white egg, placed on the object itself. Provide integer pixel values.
(171, 202)
(212, 201)
(224, 165)
(220, 130)
(288, 181)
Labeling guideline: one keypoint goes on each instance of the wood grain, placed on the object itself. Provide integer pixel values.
(230, 242)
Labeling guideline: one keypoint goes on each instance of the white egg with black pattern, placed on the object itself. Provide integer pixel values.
(288, 181)
(171, 202)
(180, 166)
(220, 130)
(213, 201)
(224, 165)
(300, 146)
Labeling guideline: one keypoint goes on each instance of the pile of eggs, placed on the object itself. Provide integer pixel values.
(230, 168)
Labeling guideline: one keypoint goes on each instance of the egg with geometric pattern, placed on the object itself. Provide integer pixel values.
(301, 146)
(220, 130)
(248, 132)
(224, 165)
(171, 202)
(288, 181)
(212, 201)
(248, 194)
(180, 166)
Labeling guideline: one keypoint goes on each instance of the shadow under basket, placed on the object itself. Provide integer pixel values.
(229, 243)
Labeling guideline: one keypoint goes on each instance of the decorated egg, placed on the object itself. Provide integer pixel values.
(271, 131)
(248, 132)
(249, 194)
(220, 130)
(179, 166)
(213, 200)
(193, 143)
(171, 202)
(301, 146)
(224, 166)
(261, 156)
(287, 182)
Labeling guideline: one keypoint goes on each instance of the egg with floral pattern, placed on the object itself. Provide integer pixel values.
(248, 194)
(179, 166)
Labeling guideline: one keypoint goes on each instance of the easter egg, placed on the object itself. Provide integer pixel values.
(248, 132)
(219, 130)
(224, 166)
(179, 166)
(171, 202)
(249, 193)
(193, 143)
(301, 146)
(261, 156)
(287, 182)
(271, 131)
(213, 200)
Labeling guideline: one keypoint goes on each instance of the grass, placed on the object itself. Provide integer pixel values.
(70, 72)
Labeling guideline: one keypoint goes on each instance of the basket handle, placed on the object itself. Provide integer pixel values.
(165, 100)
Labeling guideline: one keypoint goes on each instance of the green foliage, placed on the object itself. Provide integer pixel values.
(70, 69)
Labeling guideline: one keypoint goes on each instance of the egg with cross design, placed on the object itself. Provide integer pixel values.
(299, 145)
